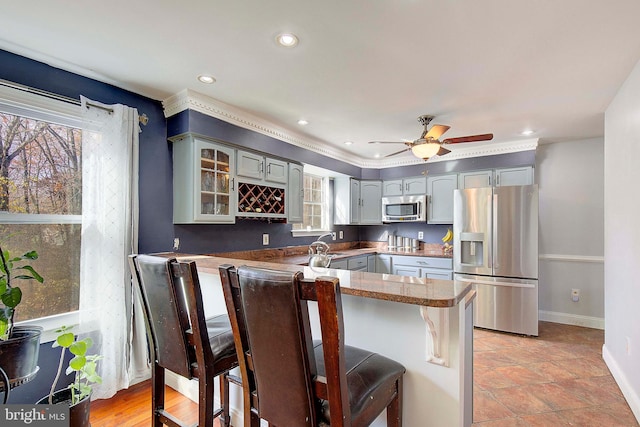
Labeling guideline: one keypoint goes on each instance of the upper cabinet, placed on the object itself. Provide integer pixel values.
(357, 202)
(496, 177)
(203, 182)
(440, 198)
(257, 167)
(295, 200)
(404, 187)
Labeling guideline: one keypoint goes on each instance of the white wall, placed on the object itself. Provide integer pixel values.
(622, 239)
(570, 176)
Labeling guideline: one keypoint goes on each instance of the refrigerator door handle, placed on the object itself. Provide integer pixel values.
(494, 234)
(491, 282)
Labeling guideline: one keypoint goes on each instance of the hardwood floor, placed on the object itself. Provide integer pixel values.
(556, 379)
(132, 408)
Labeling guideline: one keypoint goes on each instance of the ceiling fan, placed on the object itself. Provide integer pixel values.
(428, 144)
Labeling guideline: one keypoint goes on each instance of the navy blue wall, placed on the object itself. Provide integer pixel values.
(156, 203)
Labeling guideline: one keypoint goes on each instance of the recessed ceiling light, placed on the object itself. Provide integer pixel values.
(303, 122)
(377, 155)
(287, 39)
(527, 132)
(206, 78)
(348, 142)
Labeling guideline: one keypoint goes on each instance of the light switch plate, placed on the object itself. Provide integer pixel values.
(265, 239)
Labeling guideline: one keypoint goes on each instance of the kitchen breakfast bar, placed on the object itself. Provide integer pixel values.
(425, 324)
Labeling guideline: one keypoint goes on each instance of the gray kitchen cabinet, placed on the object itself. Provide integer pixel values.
(255, 166)
(371, 263)
(427, 267)
(496, 177)
(475, 179)
(358, 263)
(204, 189)
(404, 187)
(440, 198)
(514, 176)
(295, 193)
(357, 202)
(383, 264)
(339, 264)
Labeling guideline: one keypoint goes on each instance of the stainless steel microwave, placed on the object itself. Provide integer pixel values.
(404, 209)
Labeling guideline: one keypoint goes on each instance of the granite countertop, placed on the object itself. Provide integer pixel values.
(298, 255)
(388, 287)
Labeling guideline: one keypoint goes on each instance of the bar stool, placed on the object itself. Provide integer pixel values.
(291, 380)
(184, 342)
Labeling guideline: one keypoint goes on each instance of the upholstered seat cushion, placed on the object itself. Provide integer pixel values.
(371, 381)
(221, 339)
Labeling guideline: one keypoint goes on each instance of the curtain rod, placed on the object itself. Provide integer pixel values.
(142, 118)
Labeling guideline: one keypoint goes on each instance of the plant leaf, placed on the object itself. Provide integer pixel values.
(65, 340)
(79, 348)
(12, 297)
(34, 273)
(30, 255)
(77, 363)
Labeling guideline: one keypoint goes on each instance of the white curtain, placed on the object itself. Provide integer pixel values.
(109, 235)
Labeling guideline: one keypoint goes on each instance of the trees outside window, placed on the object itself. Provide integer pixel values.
(40, 208)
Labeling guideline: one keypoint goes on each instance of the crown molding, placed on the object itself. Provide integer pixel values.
(190, 100)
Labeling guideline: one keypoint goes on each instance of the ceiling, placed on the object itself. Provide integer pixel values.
(363, 70)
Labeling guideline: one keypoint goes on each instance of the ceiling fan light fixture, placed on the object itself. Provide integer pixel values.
(426, 150)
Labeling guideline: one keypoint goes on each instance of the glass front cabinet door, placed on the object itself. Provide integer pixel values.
(203, 182)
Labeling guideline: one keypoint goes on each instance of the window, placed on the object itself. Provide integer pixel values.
(316, 206)
(41, 201)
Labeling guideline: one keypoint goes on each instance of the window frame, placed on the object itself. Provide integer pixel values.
(326, 206)
(20, 101)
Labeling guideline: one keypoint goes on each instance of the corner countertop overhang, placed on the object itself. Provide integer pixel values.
(388, 287)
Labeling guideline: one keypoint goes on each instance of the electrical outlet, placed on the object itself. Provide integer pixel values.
(265, 239)
(420, 235)
(575, 295)
(333, 235)
(341, 235)
(176, 244)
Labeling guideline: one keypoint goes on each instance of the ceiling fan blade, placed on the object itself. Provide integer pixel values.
(387, 142)
(442, 151)
(435, 132)
(398, 152)
(471, 138)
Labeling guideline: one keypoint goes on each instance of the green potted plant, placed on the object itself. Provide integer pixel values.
(19, 345)
(78, 394)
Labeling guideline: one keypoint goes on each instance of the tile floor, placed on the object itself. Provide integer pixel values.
(555, 379)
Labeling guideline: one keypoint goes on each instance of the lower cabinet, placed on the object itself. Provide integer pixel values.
(427, 267)
(401, 265)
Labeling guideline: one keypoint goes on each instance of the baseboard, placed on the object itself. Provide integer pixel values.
(633, 399)
(571, 319)
(189, 389)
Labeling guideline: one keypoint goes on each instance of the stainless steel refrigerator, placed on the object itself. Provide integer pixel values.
(496, 248)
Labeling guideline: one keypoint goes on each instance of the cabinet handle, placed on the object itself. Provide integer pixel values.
(489, 181)
(498, 181)
(261, 167)
(233, 184)
(269, 169)
(423, 263)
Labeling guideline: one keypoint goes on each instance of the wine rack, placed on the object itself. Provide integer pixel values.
(260, 201)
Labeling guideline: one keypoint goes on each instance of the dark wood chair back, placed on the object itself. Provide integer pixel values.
(280, 363)
(180, 334)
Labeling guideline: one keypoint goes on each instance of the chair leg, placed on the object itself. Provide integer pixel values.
(157, 394)
(205, 402)
(225, 417)
(394, 410)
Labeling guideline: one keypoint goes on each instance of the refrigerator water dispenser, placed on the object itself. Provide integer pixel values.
(471, 249)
